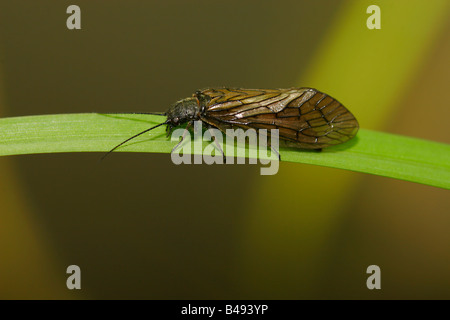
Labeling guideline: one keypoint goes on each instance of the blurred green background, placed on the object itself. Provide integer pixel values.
(141, 227)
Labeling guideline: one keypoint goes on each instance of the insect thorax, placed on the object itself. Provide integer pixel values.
(183, 111)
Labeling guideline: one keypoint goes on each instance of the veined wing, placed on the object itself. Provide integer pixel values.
(305, 117)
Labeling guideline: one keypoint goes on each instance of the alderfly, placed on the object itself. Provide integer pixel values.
(306, 118)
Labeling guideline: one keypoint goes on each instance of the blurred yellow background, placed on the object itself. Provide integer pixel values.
(141, 227)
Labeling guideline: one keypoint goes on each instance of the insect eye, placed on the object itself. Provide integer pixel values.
(176, 120)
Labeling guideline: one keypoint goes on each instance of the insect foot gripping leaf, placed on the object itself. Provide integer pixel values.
(259, 147)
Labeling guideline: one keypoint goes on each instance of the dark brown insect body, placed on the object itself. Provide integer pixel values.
(305, 117)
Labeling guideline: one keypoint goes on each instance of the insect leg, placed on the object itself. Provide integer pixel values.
(276, 152)
(220, 149)
(183, 136)
(208, 126)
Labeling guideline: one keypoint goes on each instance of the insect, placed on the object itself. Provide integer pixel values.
(305, 117)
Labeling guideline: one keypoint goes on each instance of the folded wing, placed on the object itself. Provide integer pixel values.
(305, 117)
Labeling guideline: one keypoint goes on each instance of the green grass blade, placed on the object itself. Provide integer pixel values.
(371, 152)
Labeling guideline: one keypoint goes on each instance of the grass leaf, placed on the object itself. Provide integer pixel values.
(371, 152)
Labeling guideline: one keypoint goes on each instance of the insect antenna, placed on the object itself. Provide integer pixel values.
(136, 135)
(152, 113)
